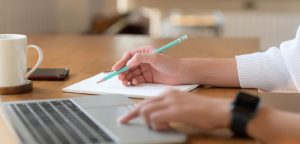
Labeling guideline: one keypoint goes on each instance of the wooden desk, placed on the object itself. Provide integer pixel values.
(86, 56)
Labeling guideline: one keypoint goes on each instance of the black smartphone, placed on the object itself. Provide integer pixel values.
(51, 74)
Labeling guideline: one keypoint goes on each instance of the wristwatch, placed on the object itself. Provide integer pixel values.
(244, 108)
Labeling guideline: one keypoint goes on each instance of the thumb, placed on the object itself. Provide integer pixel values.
(140, 58)
(122, 62)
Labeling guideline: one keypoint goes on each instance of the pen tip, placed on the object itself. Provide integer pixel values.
(100, 81)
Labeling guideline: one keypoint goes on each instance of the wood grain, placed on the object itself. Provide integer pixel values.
(87, 55)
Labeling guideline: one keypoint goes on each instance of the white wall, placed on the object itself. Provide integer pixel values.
(270, 27)
(273, 5)
(26, 16)
(104, 7)
(72, 16)
(44, 16)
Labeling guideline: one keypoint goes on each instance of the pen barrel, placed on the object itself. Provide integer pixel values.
(112, 74)
(164, 48)
(171, 44)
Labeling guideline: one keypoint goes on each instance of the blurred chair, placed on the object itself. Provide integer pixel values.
(141, 21)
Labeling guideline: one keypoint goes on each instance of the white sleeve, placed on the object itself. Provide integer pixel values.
(276, 70)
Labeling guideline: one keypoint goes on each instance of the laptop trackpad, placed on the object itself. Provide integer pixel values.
(135, 132)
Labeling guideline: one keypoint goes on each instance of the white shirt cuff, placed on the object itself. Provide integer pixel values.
(264, 70)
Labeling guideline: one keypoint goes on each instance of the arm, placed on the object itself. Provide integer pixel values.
(211, 71)
(268, 126)
(273, 70)
(274, 126)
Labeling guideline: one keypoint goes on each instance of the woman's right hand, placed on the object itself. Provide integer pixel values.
(146, 67)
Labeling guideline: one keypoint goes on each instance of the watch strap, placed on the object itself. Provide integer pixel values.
(244, 108)
(239, 125)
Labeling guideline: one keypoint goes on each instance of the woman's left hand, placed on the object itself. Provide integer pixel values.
(175, 106)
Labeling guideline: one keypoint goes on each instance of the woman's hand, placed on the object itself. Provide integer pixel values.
(146, 67)
(175, 106)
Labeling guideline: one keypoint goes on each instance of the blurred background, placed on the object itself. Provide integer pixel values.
(272, 21)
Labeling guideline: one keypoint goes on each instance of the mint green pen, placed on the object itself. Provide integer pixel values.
(162, 49)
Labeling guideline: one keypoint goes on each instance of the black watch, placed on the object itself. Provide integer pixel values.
(244, 108)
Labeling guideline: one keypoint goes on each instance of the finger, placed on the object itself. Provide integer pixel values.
(134, 73)
(131, 115)
(123, 75)
(161, 126)
(138, 79)
(145, 67)
(145, 76)
(128, 55)
(150, 100)
(135, 113)
(160, 119)
(121, 63)
(125, 83)
(128, 83)
(147, 109)
(139, 58)
(148, 76)
(144, 49)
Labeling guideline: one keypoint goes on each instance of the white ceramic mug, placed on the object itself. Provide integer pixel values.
(13, 60)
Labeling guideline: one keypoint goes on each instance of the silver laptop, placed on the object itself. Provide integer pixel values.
(81, 120)
(282, 101)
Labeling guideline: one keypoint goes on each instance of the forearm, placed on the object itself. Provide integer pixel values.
(273, 126)
(211, 71)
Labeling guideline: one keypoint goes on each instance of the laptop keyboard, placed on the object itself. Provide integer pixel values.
(55, 122)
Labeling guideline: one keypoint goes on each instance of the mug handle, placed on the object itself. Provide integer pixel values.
(41, 55)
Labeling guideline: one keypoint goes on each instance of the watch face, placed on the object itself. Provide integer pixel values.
(246, 102)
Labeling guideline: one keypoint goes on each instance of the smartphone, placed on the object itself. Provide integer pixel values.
(51, 74)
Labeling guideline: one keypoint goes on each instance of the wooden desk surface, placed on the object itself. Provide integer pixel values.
(86, 56)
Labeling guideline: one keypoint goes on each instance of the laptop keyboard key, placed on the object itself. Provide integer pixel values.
(84, 117)
(32, 124)
(59, 122)
(75, 121)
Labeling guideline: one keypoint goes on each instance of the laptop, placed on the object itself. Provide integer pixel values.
(80, 120)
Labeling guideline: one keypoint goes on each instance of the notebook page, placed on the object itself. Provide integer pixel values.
(115, 86)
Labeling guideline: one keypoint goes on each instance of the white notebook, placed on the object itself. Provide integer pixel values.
(114, 86)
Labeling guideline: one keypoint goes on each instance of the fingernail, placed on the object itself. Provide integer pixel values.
(120, 119)
(134, 82)
(129, 63)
